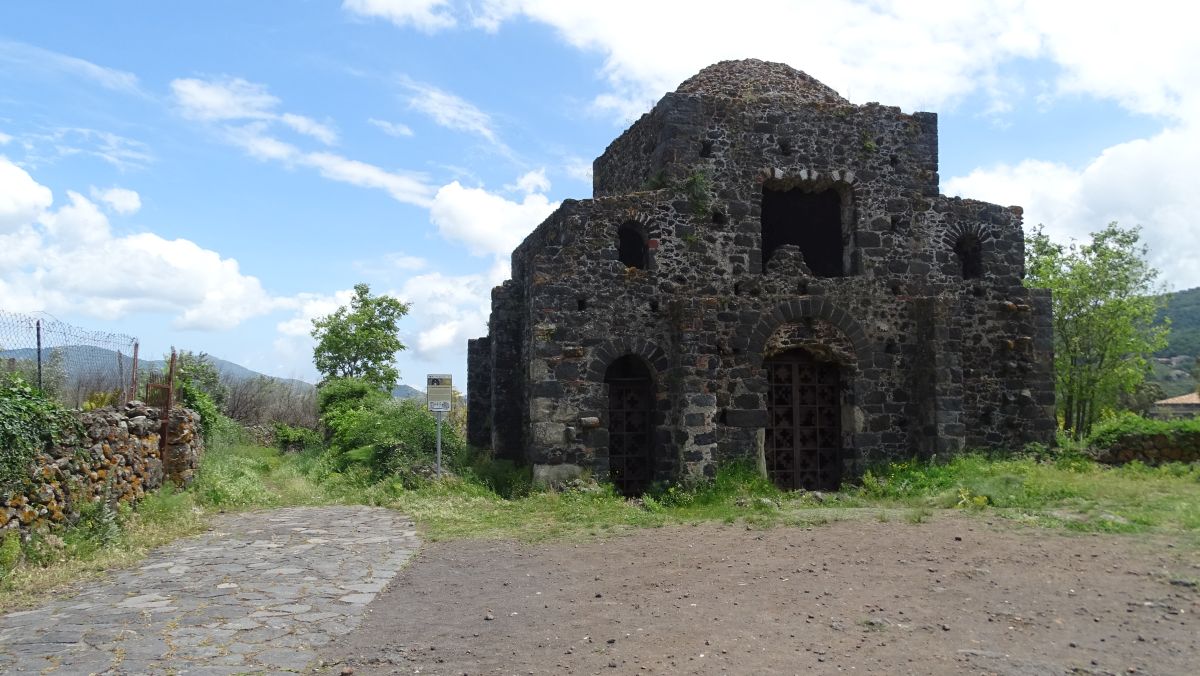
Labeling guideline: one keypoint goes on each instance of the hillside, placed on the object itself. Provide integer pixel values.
(1174, 364)
(1183, 307)
(83, 362)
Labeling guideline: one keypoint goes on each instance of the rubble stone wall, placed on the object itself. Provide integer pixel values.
(932, 360)
(117, 456)
(1152, 449)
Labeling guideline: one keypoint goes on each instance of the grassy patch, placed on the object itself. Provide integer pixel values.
(1070, 491)
(495, 499)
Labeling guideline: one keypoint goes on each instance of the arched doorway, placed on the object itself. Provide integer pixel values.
(804, 430)
(630, 424)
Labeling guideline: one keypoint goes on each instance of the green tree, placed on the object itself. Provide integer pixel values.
(1106, 298)
(360, 341)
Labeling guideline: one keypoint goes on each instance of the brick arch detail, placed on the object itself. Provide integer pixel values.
(809, 308)
(604, 354)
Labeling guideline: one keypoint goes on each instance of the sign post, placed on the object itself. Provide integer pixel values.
(439, 393)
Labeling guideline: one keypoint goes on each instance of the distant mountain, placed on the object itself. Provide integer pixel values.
(83, 361)
(407, 392)
(1183, 307)
(1173, 365)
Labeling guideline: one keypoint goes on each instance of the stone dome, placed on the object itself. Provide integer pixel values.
(750, 79)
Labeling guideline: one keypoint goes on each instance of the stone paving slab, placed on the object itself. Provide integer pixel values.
(260, 593)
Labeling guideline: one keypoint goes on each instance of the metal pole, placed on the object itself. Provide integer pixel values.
(440, 415)
(133, 393)
(39, 352)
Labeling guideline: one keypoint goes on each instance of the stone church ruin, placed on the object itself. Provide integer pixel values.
(767, 272)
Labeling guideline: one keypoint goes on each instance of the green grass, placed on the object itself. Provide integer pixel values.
(495, 500)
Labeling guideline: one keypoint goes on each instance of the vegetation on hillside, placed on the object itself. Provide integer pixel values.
(1182, 308)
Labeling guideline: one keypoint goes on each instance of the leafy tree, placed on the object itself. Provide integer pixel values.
(199, 370)
(360, 341)
(1106, 299)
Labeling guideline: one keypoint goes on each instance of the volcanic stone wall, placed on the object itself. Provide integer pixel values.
(934, 355)
(117, 457)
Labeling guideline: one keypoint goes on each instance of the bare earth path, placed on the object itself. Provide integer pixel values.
(954, 595)
(259, 593)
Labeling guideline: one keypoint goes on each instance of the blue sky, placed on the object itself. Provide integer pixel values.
(212, 175)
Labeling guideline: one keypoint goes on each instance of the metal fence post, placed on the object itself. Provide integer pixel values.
(133, 386)
(38, 326)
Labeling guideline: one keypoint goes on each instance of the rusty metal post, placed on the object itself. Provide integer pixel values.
(133, 385)
(166, 414)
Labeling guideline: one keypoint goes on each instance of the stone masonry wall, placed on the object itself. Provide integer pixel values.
(932, 360)
(118, 456)
(1152, 449)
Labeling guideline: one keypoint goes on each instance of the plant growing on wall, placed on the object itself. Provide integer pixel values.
(361, 341)
(1106, 299)
(29, 422)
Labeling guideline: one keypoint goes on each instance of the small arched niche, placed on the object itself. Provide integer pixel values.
(632, 248)
(969, 249)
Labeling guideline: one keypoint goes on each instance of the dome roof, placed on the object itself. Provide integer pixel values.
(754, 79)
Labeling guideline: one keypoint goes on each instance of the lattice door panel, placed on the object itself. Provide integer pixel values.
(630, 434)
(803, 438)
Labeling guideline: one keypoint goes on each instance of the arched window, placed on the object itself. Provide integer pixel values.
(969, 250)
(631, 248)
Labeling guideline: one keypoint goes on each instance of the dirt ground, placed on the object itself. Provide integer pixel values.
(953, 595)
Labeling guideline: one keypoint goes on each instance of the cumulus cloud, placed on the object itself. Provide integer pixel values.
(531, 182)
(120, 200)
(392, 128)
(950, 50)
(484, 222)
(425, 15)
(67, 259)
(22, 199)
(1147, 182)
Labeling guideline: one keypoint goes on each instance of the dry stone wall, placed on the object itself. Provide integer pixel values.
(117, 457)
(1152, 449)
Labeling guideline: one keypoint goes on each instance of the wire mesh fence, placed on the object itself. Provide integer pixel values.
(79, 367)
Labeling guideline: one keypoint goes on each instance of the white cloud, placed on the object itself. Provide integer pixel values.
(579, 169)
(424, 15)
(1103, 48)
(230, 99)
(1148, 182)
(406, 188)
(68, 260)
(245, 111)
(310, 127)
(485, 222)
(30, 59)
(5, 139)
(449, 110)
(223, 99)
(120, 200)
(531, 182)
(392, 128)
(121, 152)
(22, 199)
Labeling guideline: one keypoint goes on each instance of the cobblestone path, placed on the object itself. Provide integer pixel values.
(260, 593)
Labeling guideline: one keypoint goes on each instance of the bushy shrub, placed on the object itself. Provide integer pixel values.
(338, 395)
(1109, 432)
(392, 437)
(200, 401)
(290, 438)
(29, 422)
